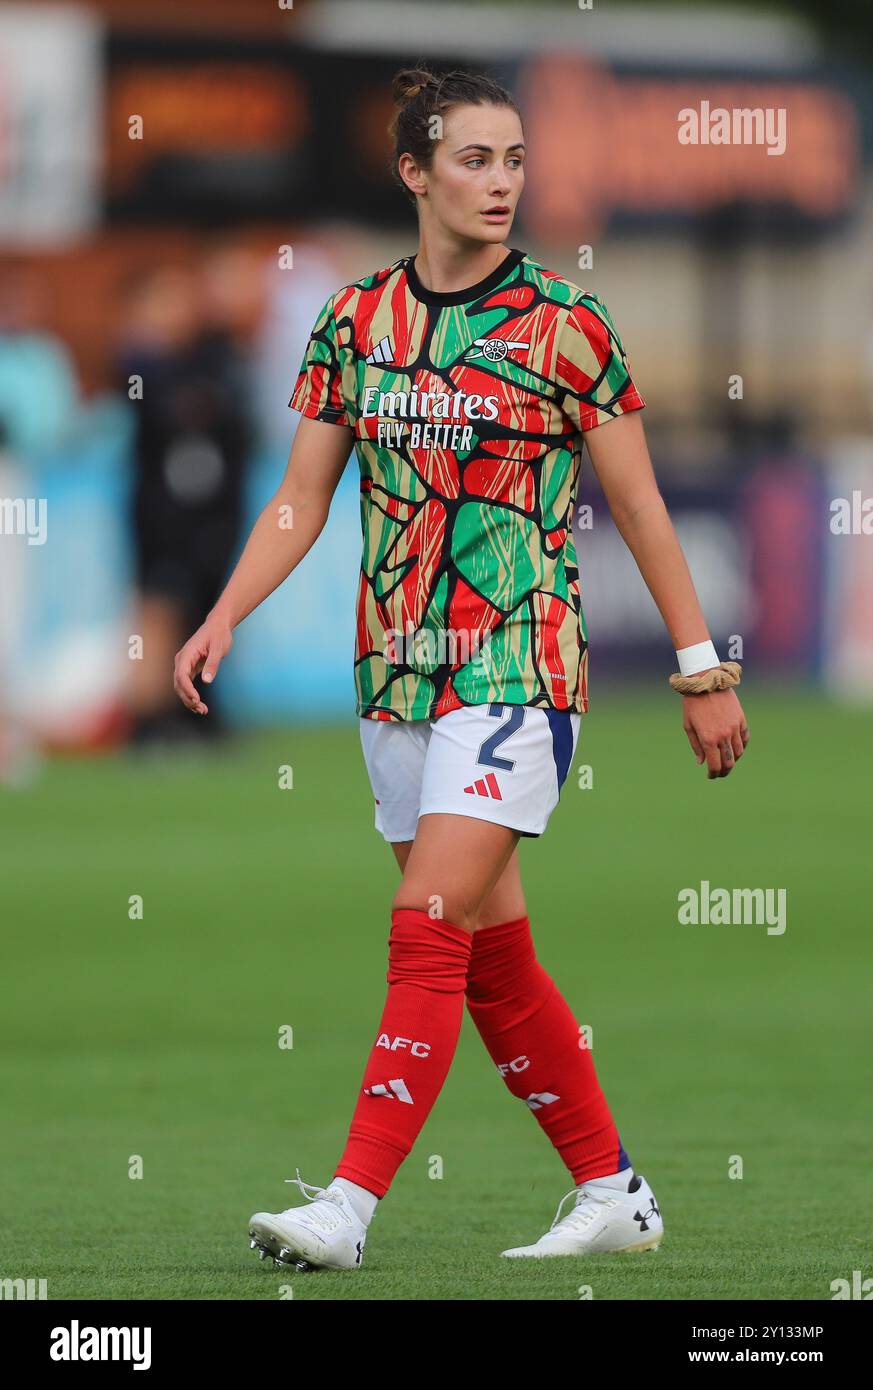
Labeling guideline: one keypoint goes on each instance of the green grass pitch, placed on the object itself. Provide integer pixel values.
(265, 908)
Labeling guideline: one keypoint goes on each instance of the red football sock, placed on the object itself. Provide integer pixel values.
(533, 1038)
(427, 975)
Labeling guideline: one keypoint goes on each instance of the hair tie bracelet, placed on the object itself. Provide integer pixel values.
(724, 675)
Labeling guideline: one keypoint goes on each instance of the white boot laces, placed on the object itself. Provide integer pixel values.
(327, 1211)
(588, 1207)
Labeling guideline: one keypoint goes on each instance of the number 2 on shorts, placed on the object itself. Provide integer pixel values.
(488, 749)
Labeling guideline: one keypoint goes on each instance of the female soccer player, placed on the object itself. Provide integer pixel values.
(464, 377)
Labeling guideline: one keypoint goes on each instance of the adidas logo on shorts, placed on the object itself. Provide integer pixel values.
(486, 786)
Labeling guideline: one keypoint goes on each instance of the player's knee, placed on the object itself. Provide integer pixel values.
(447, 907)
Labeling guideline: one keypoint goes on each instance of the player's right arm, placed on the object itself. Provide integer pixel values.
(285, 531)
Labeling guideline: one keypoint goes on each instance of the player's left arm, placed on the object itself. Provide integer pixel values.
(714, 721)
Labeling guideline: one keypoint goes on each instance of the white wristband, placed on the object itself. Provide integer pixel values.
(700, 657)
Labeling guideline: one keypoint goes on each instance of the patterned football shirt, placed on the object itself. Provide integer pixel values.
(467, 409)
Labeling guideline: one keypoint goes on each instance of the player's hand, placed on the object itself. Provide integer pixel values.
(716, 729)
(202, 652)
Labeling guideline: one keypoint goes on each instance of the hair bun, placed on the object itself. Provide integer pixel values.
(409, 82)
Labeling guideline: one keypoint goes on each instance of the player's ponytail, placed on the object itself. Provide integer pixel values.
(420, 94)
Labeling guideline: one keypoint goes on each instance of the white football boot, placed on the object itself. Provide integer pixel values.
(603, 1220)
(328, 1234)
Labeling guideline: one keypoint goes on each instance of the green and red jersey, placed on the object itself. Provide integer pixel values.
(467, 409)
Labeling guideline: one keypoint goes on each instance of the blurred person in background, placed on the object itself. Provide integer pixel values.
(465, 376)
(39, 400)
(39, 391)
(185, 341)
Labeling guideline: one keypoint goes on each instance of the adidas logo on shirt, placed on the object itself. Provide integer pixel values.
(382, 352)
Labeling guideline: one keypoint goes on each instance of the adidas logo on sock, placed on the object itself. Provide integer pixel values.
(391, 1090)
(485, 786)
(537, 1099)
(382, 352)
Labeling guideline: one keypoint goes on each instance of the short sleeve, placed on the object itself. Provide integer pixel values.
(592, 379)
(318, 389)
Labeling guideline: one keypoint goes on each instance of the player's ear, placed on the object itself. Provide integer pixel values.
(412, 174)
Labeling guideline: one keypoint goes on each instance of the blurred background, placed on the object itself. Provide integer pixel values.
(183, 184)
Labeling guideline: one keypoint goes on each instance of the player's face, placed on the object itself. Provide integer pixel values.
(477, 175)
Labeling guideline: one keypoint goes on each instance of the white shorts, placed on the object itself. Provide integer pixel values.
(503, 763)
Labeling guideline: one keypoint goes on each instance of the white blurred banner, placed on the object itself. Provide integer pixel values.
(50, 112)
